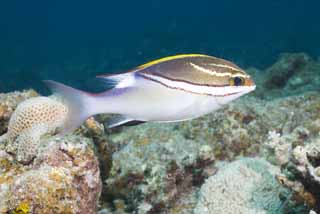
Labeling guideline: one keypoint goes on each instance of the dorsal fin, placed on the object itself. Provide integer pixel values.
(120, 80)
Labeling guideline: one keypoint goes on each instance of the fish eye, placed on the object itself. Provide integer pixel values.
(237, 81)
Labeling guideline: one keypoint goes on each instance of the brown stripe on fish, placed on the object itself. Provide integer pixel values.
(149, 76)
(190, 88)
(198, 70)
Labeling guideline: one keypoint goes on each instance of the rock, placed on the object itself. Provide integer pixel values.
(286, 67)
(302, 173)
(292, 74)
(154, 166)
(162, 165)
(296, 150)
(59, 175)
(63, 178)
(244, 186)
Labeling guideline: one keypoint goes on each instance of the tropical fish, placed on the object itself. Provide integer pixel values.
(174, 88)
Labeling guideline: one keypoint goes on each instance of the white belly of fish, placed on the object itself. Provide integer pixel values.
(150, 101)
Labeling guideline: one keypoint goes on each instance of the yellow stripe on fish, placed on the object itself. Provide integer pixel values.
(168, 58)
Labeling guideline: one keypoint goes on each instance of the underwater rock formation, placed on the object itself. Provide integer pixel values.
(63, 178)
(154, 166)
(292, 74)
(244, 186)
(39, 174)
(60, 175)
(298, 154)
(160, 168)
(148, 154)
(284, 69)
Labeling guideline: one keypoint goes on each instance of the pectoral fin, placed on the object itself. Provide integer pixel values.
(120, 120)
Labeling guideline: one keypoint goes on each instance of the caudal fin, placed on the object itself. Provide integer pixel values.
(78, 103)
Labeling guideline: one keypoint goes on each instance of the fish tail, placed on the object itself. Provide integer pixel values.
(78, 103)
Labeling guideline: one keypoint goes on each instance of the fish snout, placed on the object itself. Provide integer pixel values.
(249, 82)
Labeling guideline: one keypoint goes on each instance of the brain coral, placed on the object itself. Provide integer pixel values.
(31, 120)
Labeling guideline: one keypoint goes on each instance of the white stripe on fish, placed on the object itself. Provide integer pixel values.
(218, 74)
(217, 91)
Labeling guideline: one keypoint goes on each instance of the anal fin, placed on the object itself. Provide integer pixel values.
(120, 120)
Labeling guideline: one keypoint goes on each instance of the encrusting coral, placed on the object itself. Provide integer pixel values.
(244, 186)
(31, 120)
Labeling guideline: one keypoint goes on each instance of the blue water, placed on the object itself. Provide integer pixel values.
(72, 41)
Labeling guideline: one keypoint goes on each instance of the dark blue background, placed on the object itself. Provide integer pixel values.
(72, 41)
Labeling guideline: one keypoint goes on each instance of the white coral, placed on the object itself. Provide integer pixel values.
(31, 120)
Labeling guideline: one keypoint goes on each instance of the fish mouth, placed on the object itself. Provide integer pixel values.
(247, 89)
(252, 87)
(249, 83)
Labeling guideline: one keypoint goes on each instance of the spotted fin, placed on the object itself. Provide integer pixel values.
(118, 121)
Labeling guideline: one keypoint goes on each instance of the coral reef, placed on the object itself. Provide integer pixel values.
(52, 175)
(243, 186)
(31, 120)
(63, 178)
(8, 103)
(162, 168)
